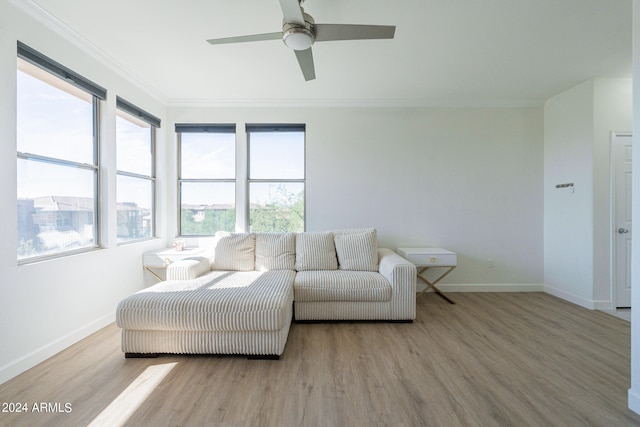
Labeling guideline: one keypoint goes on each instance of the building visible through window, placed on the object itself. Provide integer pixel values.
(57, 162)
(135, 159)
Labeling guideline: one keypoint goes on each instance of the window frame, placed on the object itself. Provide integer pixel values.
(97, 93)
(263, 128)
(154, 123)
(204, 128)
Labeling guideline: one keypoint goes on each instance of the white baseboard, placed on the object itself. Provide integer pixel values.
(603, 305)
(634, 400)
(18, 366)
(583, 302)
(499, 287)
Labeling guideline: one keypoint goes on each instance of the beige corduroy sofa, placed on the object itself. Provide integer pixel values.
(240, 299)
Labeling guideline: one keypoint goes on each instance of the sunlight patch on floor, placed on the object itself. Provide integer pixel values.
(126, 404)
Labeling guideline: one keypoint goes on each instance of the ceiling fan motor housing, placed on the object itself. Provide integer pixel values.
(299, 37)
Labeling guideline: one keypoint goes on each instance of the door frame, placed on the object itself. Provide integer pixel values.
(612, 217)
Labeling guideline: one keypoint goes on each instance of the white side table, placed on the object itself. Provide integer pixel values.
(160, 260)
(426, 258)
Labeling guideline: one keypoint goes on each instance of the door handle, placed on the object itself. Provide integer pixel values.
(622, 230)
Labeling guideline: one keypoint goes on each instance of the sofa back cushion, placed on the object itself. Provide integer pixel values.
(354, 230)
(234, 251)
(275, 251)
(315, 251)
(357, 249)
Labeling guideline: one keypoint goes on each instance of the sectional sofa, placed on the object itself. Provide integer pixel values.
(242, 296)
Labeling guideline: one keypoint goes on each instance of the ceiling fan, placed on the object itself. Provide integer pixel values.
(299, 32)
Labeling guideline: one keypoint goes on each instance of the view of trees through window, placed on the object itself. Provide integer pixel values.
(208, 220)
(276, 177)
(282, 211)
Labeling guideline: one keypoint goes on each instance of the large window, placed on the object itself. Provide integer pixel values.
(207, 178)
(276, 177)
(135, 157)
(57, 158)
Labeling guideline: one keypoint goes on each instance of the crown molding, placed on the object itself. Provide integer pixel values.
(51, 22)
(359, 103)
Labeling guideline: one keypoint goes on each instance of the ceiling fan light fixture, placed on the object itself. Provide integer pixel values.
(298, 38)
(300, 32)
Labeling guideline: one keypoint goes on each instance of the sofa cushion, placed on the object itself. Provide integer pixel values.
(275, 251)
(234, 251)
(341, 286)
(219, 301)
(315, 251)
(357, 251)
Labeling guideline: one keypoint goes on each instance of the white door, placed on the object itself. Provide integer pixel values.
(621, 147)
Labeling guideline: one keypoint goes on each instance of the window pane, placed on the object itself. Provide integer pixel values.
(207, 207)
(133, 141)
(56, 208)
(276, 207)
(54, 118)
(276, 155)
(135, 208)
(208, 156)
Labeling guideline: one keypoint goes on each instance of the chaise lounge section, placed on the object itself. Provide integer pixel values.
(225, 312)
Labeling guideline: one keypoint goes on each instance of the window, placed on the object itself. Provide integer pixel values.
(207, 178)
(276, 177)
(135, 159)
(57, 158)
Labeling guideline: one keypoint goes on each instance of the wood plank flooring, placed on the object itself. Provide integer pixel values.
(492, 359)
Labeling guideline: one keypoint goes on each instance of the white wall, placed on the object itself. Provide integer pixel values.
(612, 113)
(469, 180)
(46, 306)
(568, 213)
(577, 222)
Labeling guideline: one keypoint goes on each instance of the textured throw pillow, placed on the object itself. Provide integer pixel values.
(275, 251)
(357, 251)
(234, 251)
(315, 251)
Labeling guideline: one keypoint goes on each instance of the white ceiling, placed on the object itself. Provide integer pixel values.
(445, 51)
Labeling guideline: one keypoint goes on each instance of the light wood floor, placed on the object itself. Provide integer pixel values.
(493, 359)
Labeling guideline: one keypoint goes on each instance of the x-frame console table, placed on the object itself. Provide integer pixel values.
(426, 258)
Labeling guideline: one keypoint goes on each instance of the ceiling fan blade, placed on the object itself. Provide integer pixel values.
(305, 59)
(243, 39)
(331, 32)
(292, 12)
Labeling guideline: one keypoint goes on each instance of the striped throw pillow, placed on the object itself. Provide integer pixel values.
(357, 251)
(315, 251)
(275, 251)
(234, 251)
